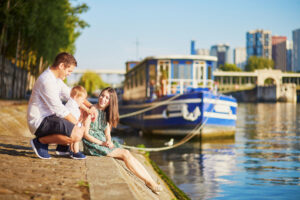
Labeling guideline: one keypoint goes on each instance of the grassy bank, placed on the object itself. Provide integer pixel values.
(180, 195)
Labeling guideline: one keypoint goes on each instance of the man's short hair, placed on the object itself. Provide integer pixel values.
(78, 91)
(65, 58)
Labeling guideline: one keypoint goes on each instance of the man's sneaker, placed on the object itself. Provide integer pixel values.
(77, 156)
(62, 150)
(41, 150)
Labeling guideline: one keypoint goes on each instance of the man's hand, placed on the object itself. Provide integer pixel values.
(91, 110)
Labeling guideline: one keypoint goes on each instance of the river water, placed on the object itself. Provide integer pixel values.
(261, 162)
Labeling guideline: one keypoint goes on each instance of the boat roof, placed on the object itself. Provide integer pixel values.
(190, 57)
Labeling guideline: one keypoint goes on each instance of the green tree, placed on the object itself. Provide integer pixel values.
(33, 32)
(91, 82)
(258, 63)
(230, 67)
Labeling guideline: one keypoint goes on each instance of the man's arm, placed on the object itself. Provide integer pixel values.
(87, 103)
(92, 110)
(86, 108)
(71, 118)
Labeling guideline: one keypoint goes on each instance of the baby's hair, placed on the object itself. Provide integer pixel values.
(78, 91)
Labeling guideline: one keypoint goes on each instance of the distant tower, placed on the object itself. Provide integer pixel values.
(296, 50)
(258, 43)
(240, 57)
(221, 51)
(193, 50)
(202, 52)
(279, 52)
(289, 56)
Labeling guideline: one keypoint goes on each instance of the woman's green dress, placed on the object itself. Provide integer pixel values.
(97, 130)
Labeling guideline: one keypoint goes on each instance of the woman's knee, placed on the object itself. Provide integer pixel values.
(126, 154)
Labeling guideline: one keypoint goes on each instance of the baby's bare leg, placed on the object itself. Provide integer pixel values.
(77, 133)
(75, 147)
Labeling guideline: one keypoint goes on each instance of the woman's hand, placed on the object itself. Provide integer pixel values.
(109, 144)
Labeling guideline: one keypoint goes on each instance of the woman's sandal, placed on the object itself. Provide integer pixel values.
(155, 189)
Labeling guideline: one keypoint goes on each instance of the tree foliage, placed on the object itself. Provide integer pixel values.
(42, 28)
(258, 63)
(91, 81)
(33, 32)
(230, 67)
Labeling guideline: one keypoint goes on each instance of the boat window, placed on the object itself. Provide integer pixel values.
(209, 72)
(198, 73)
(142, 74)
(152, 72)
(135, 79)
(182, 71)
(130, 81)
(140, 77)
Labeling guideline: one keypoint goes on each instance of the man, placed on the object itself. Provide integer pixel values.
(48, 119)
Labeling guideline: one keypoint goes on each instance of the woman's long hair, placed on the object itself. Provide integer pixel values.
(112, 110)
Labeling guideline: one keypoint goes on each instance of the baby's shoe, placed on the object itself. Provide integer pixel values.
(78, 156)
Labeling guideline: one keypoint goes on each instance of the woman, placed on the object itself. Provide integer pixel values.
(97, 141)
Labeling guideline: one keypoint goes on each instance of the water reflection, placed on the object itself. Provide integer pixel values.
(270, 142)
(264, 155)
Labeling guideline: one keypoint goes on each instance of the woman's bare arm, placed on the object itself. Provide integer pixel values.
(108, 142)
(107, 133)
(86, 134)
(92, 139)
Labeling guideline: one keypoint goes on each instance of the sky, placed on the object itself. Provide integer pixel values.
(127, 30)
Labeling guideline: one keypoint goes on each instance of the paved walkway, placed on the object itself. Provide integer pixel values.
(24, 176)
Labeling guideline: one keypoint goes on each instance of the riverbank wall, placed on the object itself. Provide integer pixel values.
(24, 176)
(273, 93)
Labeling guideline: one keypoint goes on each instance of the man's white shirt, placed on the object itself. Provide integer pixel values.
(46, 99)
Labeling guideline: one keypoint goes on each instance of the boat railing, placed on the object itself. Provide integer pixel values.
(181, 86)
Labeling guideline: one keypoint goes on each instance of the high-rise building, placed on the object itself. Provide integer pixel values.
(289, 51)
(221, 51)
(296, 50)
(279, 52)
(259, 43)
(240, 57)
(193, 49)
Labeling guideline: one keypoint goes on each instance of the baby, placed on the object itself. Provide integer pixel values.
(76, 108)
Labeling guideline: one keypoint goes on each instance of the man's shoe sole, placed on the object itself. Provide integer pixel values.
(35, 151)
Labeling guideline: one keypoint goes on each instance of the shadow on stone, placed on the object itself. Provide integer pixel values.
(15, 150)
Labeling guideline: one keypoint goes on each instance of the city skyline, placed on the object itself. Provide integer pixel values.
(165, 28)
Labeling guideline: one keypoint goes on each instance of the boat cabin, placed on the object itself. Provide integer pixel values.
(159, 76)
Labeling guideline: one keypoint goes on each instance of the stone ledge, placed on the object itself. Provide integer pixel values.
(24, 176)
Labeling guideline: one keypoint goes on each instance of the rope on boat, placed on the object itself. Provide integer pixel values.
(188, 137)
(150, 108)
